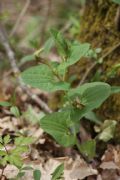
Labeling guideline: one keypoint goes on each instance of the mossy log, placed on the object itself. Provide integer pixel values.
(100, 26)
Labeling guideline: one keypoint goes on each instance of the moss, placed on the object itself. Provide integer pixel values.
(98, 28)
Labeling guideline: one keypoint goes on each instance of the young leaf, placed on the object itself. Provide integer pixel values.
(77, 51)
(88, 148)
(20, 149)
(58, 125)
(23, 140)
(58, 172)
(92, 117)
(20, 175)
(48, 45)
(91, 95)
(61, 43)
(15, 111)
(6, 139)
(3, 153)
(1, 139)
(5, 104)
(37, 174)
(33, 116)
(115, 89)
(42, 77)
(116, 1)
(15, 160)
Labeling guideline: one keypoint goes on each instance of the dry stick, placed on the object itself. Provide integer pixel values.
(16, 71)
(20, 17)
(87, 73)
(95, 63)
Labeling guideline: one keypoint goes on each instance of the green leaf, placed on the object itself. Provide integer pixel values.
(58, 172)
(58, 125)
(15, 160)
(61, 43)
(42, 77)
(15, 111)
(88, 148)
(1, 139)
(108, 130)
(33, 116)
(5, 103)
(37, 174)
(3, 153)
(91, 95)
(48, 45)
(19, 150)
(24, 140)
(6, 139)
(115, 89)
(20, 174)
(27, 58)
(92, 117)
(116, 1)
(77, 51)
(4, 160)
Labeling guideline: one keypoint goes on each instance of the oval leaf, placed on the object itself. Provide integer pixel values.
(77, 51)
(91, 95)
(37, 174)
(42, 77)
(58, 126)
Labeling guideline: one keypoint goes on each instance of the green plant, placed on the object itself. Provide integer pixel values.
(13, 155)
(116, 1)
(63, 125)
(37, 174)
(58, 172)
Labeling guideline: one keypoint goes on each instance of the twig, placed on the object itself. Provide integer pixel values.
(20, 17)
(16, 71)
(87, 73)
(2, 173)
(95, 63)
(111, 50)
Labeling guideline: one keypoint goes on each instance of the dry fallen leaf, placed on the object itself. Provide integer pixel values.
(109, 165)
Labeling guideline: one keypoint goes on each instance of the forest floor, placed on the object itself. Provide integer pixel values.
(44, 153)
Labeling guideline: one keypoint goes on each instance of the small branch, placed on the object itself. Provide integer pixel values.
(111, 50)
(87, 73)
(16, 71)
(2, 173)
(20, 17)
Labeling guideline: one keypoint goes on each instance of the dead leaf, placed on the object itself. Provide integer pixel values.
(109, 165)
